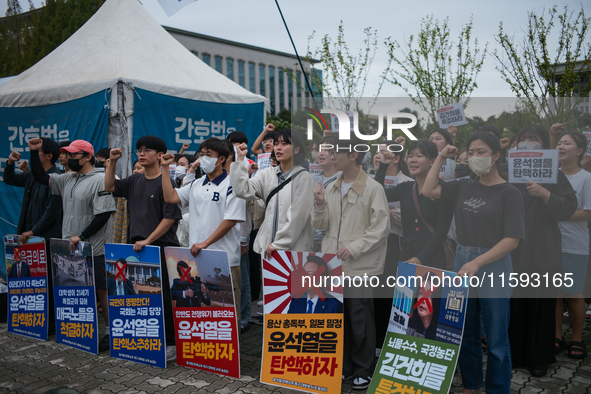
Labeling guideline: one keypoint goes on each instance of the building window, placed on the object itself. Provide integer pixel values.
(251, 78)
(241, 73)
(262, 80)
(195, 53)
(299, 82)
(206, 59)
(290, 89)
(281, 89)
(272, 88)
(218, 64)
(230, 68)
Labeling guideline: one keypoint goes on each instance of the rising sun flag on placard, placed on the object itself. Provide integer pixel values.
(282, 279)
(171, 7)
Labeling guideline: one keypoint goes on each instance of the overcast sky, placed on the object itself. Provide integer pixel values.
(258, 22)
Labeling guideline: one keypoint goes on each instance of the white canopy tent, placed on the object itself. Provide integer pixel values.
(121, 47)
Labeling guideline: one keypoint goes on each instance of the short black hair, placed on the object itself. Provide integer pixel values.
(490, 129)
(51, 146)
(63, 144)
(151, 142)
(190, 158)
(425, 147)
(237, 137)
(446, 135)
(318, 261)
(535, 130)
(293, 138)
(122, 261)
(216, 145)
(103, 152)
(486, 137)
(348, 146)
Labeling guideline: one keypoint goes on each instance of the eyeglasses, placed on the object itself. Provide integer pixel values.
(72, 155)
(333, 154)
(143, 151)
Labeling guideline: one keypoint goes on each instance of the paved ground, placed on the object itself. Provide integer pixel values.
(30, 366)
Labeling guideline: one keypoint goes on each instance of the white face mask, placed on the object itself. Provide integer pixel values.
(480, 165)
(208, 164)
(529, 145)
(180, 171)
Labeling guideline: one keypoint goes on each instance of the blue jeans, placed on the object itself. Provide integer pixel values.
(245, 301)
(493, 302)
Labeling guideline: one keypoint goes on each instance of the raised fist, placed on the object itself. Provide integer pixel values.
(269, 127)
(115, 154)
(35, 143)
(166, 160)
(14, 157)
(319, 193)
(557, 129)
(449, 152)
(242, 151)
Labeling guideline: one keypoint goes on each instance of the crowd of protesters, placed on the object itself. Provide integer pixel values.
(468, 219)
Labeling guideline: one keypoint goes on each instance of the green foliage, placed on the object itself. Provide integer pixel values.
(550, 82)
(435, 71)
(24, 40)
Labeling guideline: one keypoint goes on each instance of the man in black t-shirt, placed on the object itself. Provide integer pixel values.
(152, 220)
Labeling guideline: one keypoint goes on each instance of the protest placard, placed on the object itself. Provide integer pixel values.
(303, 332)
(391, 181)
(587, 135)
(315, 169)
(204, 310)
(451, 115)
(334, 121)
(540, 166)
(27, 286)
(136, 316)
(263, 161)
(423, 341)
(74, 295)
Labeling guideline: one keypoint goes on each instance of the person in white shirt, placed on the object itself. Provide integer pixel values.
(214, 209)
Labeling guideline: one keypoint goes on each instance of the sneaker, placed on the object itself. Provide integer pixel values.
(360, 383)
(347, 377)
(104, 344)
(170, 353)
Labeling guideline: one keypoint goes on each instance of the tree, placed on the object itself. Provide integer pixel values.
(550, 82)
(14, 30)
(345, 74)
(430, 73)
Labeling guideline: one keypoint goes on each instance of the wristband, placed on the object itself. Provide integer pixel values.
(82, 237)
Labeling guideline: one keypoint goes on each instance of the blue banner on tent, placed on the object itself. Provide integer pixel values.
(74, 295)
(136, 316)
(178, 121)
(85, 118)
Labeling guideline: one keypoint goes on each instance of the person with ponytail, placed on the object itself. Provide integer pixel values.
(489, 218)
(575, 244)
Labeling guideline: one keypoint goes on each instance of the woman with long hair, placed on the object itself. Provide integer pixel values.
(489, 220)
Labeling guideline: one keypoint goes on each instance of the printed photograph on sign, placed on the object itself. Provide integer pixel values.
(289, 277)
(130, 276)
(423, 341)
(195, 282)
(72, 268)
(27, 286)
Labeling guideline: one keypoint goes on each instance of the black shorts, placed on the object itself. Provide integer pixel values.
(100, 274)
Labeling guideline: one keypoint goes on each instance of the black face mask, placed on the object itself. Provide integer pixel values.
(74, 165)
(462, 170)
(99, 164)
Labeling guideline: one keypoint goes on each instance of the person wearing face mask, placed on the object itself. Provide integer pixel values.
(490, 222)
(87, 209)
(533, 309)
(462, 167)
(214, 209)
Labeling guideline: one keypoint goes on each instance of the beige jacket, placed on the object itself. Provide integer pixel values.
(360, 222)
(294, 223)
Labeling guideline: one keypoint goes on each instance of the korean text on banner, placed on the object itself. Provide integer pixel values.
(191, 121)
(540, 166)
(451, 115)
(263, 161)
(204, 310)
(415, 357)
(136, 316)
(74, 295)
(303, 332)
(27, 287)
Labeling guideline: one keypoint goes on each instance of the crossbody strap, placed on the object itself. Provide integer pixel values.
(416, 201)
(279, 187)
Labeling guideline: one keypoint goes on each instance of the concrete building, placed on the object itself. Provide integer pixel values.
(267, 72)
